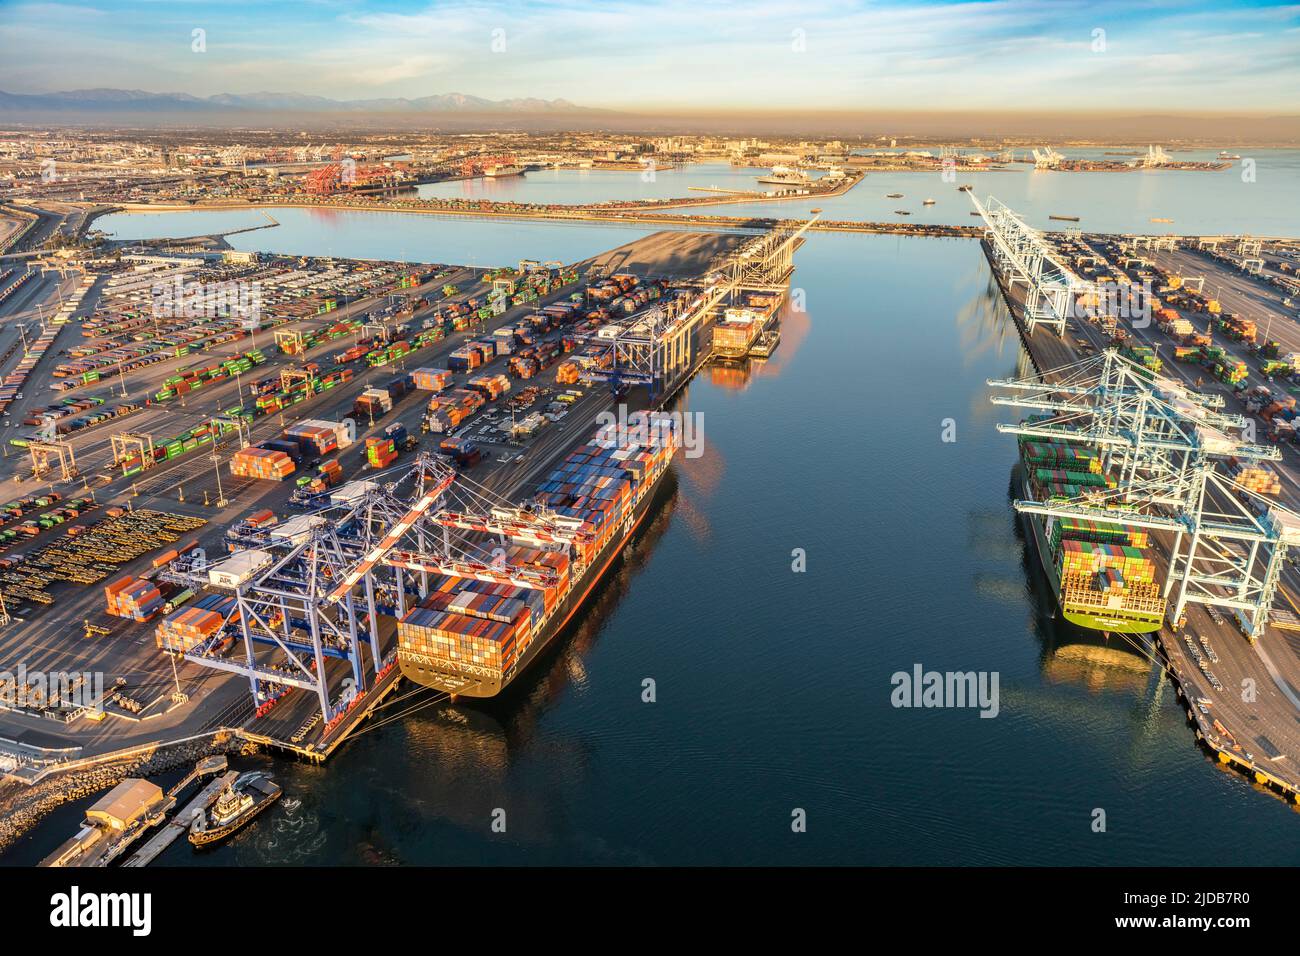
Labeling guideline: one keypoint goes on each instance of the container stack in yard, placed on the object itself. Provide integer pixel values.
(462, 450)
(186, 629)
(286, 446)
(431, 379)
(373, 403)
(505, 341)
(262, 463)
(491, 387)
(380, 452)
(319, 438)
(448, 410)
(527, 362)
(471, 355)
(134, 598)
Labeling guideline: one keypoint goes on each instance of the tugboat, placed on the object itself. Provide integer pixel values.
(238, 804)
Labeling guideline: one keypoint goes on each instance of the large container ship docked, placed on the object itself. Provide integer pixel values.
(1101, 571)
(739, 329)
(472, 637)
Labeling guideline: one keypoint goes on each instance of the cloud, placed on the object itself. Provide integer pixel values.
(631, 54)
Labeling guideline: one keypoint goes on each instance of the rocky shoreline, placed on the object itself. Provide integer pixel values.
(22, 807)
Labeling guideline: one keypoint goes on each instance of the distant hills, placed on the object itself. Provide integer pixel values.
(464, 112)
(140, 103)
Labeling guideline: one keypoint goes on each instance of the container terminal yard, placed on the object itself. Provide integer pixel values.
(209, 506)
(1177, 408)
(257, 511)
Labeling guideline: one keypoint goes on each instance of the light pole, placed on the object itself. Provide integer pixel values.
(216, 467)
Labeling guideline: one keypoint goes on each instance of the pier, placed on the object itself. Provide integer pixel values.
(1250, 720)
(180, 822)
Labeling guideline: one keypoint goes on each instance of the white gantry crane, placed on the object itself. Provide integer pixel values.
(1165, 446)
(1023, 256)
(659, 347)
(1047, 158)
(308, 615)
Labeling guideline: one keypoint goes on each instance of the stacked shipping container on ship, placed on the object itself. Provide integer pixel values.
(473, 634)
(1101, 572)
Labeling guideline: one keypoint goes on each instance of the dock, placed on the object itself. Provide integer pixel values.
(1258, 737)
(179, 823)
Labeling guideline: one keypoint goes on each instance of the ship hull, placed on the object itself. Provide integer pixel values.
(206, 838)
(1120, 622)
(429, 673)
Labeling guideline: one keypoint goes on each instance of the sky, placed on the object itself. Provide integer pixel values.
(678, 54)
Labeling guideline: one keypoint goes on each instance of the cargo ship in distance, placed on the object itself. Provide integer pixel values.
(472, 637)
(785, 176)
(502, 172)
(1100, 571)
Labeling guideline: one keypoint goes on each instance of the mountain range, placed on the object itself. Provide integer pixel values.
(143, 102)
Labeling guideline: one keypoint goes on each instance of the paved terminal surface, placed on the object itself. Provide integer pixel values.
(54, 638)
(1254, 719)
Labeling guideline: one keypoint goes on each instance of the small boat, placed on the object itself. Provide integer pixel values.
(964, 189)
(766, 344)
(893, 195)
(1065, 218)
(1162, 220)
(901, 212)
(235, 808)
(928, 202)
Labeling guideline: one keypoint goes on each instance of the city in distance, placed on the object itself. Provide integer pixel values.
(853, 435)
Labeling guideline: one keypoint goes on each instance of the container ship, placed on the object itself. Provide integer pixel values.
(502, 171)
(1101, 571)
(740, 328)
(473, 635)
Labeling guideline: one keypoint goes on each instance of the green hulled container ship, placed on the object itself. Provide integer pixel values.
(1101, 571)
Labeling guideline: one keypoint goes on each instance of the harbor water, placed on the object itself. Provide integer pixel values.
(867, 446)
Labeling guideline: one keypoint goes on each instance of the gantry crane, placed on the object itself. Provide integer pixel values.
(43, 452)
(1164, 444)
(319, 594)
(660, 347)
(1022, 256)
